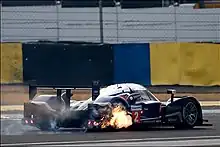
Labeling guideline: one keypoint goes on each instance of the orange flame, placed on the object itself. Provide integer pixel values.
(120, 119)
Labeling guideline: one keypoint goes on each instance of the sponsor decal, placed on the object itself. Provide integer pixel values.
(136, 107)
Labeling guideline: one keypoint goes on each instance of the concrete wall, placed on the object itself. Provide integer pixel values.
(143, 25)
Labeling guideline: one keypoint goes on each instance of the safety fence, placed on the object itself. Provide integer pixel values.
(77, 64)
(164, 24)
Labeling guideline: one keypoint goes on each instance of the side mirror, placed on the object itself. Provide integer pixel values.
(171, 91)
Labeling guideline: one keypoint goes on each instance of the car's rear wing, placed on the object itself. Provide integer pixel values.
(95, 87)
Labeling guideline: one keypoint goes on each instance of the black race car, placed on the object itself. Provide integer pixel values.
(116, 106)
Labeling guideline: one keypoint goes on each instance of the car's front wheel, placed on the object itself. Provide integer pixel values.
(190, 115)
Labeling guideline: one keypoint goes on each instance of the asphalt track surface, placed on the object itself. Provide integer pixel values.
(13, 132)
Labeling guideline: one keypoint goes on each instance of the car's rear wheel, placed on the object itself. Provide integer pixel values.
(190, 115)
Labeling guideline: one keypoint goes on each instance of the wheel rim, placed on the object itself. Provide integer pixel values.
(190, 113)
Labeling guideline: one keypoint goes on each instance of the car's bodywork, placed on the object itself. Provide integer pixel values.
(49, 112)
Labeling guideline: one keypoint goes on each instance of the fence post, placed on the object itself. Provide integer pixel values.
(117, 5)
(175, 23)
(218, 30)
(1, 21)
(57, 19)
(101, 21)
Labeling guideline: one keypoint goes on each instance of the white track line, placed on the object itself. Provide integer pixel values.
(114, 141)
(210, 111)
(182, 143)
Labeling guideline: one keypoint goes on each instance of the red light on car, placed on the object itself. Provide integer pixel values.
(26, 121)
(32, 122)
(95, 123)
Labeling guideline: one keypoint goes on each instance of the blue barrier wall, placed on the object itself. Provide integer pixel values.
(132, 63)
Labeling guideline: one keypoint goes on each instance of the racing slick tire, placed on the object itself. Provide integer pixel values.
(189, 114)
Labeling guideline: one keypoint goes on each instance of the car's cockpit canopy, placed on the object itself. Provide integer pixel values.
(138, 92)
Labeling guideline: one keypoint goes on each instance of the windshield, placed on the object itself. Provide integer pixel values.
(145, 95)
(103, 99)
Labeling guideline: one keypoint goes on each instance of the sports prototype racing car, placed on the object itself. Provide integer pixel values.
(116, 106)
